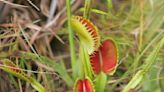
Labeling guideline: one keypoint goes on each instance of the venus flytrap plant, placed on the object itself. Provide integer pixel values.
(11, 68)
(103, 59)
(94, 59)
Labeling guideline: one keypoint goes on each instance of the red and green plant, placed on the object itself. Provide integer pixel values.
(97, 60)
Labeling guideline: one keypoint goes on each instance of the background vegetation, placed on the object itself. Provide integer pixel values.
(34, 36)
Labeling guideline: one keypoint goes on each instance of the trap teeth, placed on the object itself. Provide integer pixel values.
(87, 33)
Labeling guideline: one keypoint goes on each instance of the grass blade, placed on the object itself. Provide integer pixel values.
(141, 73)
(71, 41)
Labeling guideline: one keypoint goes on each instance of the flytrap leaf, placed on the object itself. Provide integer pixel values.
(87, 33)
(84, 85)
(11, 68)
(105, 59)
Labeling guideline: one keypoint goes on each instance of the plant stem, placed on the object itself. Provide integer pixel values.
(71, 41)
(87, 64)
(100, 82)
(87, 8)
(141, 24)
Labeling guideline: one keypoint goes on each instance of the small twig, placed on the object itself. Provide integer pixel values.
(30, 2)
(52, 10)
(12, 4)
(20, 85)
(53, 22)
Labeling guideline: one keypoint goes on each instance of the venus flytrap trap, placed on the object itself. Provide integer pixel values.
(11, 68)
(104, 61)
(87, 33)
(84, 85)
